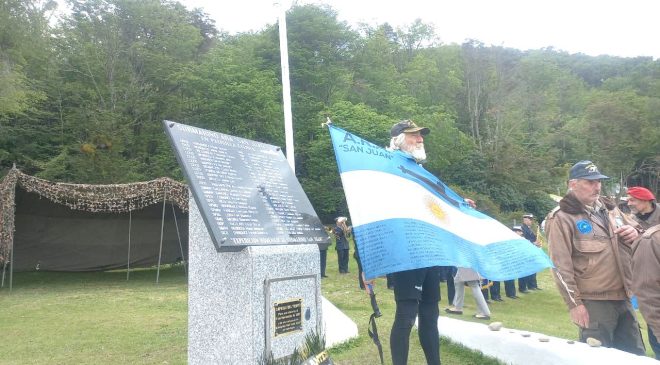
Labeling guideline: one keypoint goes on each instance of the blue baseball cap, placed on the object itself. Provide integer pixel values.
(585, 170)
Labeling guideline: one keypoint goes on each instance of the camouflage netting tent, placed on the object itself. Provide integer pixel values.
(79, 227)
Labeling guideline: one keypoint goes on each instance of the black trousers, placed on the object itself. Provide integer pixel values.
(509, 289)
(342, 260)
(527, 282)
(531, 282)
(429, 337)
(324, 259)
(447, 275)
(495, 290)
(416, 292)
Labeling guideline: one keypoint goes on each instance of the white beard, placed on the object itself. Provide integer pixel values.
(417, 152)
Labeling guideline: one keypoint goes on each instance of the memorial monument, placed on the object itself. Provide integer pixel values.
(254, 277)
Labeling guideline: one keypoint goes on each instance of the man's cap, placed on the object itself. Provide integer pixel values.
(516, 228)
(408, 126)
(641, 193)
(528, 215)
(585, 170)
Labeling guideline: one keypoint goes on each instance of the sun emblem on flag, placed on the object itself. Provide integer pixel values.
(436, 209)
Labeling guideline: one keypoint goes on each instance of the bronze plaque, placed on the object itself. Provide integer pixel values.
(288, 316)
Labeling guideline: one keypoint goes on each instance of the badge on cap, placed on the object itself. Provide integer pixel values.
(583, 226)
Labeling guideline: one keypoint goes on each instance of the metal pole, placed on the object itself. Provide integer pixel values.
(128, 261)
(162, 227)
(286, 88)
(183, 257)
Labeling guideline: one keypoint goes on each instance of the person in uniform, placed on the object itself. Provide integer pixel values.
(341, 233)
(528, 283)
(509, 285)
(589, 241)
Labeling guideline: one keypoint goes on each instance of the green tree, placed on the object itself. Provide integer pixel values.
(120, 65)
(25, 55)
(322, 182)
(235, 91)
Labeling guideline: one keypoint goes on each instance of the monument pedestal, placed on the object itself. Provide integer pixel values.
(244, 304)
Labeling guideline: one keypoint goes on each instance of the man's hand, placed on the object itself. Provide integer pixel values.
(626, 233)
(580, 316)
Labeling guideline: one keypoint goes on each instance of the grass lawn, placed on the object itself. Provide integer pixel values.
(100, 318)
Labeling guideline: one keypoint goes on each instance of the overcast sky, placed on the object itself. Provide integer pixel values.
(626, 28)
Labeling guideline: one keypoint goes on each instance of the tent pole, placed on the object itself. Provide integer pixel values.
(183, 257)
(128, 261)
(162, 227)
(4, 270)
(11, 271)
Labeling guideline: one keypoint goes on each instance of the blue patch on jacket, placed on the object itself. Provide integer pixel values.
(583, 226)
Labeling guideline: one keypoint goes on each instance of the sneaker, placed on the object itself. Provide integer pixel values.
(453, 311)
(498, 299)
(481, 316)
(512, 296)
(523, 291)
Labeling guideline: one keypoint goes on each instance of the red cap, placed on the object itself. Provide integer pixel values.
(641, 193)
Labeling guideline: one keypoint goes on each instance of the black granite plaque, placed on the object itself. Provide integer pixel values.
(288, 316)
(245, 190)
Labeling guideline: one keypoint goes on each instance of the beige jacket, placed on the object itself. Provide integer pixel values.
(590, 262)
(646, 277)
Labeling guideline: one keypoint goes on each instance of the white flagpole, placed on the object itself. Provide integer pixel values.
(286, 88)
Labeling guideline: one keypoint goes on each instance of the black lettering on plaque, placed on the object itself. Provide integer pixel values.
(288, 316)
(245, 190)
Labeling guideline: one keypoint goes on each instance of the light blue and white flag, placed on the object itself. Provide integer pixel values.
(405, 218)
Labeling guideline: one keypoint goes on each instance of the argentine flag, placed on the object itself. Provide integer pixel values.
(405, 218)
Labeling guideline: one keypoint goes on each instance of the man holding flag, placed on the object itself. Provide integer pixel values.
(408, 223)
(416, 291)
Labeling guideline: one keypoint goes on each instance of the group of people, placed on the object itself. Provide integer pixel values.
(484, 289)
(601, 256)
(526, 284)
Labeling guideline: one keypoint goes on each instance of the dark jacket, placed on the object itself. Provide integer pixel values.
(528, 234)
(341, 239)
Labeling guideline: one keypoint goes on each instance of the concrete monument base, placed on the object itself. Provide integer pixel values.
(242, 305)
